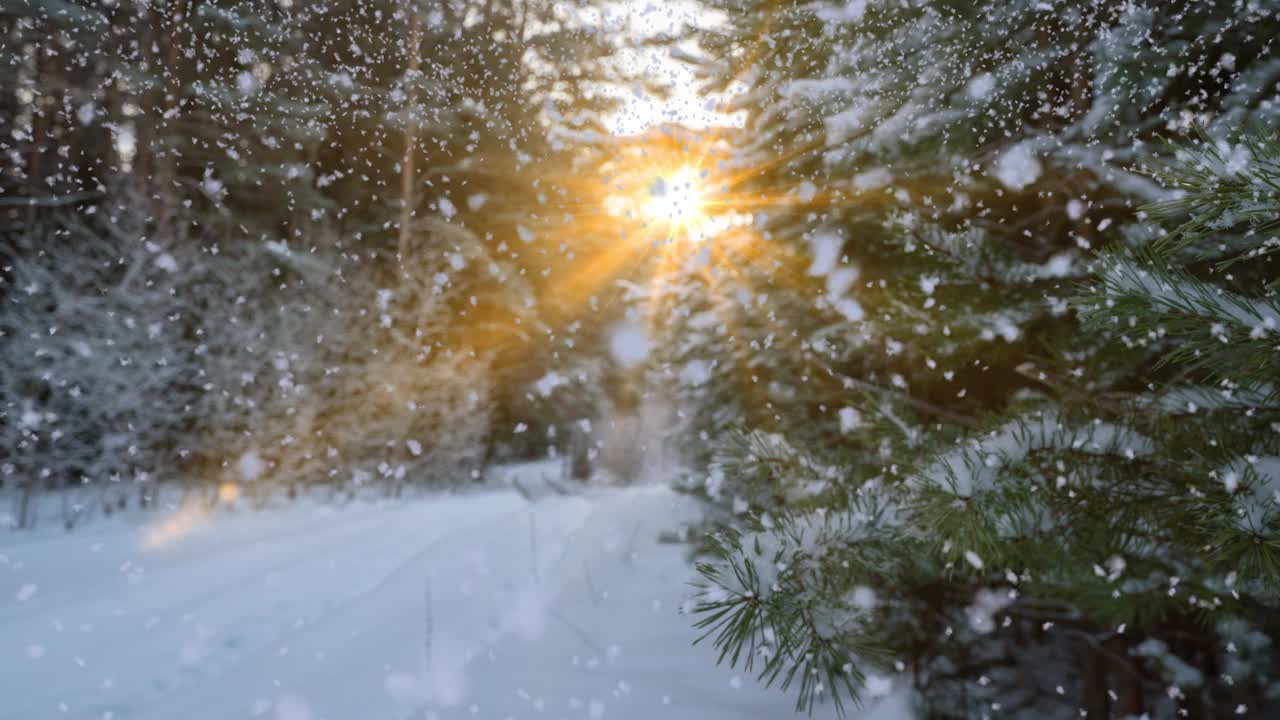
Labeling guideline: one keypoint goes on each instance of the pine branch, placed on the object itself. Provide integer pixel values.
(1224, 187)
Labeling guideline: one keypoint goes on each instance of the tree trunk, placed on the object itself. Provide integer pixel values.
(144, 127)
(164, 186)
(41, 109)
(24, 505)
(410, 131)
(1126, 681)
(1093, 681)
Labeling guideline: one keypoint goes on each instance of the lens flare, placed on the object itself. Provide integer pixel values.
(193, 513)
(228, 493)
(678, 206)
(677, 199)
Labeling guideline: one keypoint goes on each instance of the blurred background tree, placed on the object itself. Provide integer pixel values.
(308, 236)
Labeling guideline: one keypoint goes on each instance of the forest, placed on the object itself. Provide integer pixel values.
(637, 359)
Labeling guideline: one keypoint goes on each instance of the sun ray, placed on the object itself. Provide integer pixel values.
(675, 204)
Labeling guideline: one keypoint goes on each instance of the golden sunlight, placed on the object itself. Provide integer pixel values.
(678, 200)
(228, 492)
(190, 515)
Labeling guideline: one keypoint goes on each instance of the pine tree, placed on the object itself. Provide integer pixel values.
(978, 489)
(1194, 306)
(345, 202)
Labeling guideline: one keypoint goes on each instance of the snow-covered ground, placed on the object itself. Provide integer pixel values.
(486, 605)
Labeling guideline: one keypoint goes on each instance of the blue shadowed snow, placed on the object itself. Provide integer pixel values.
(478, 606)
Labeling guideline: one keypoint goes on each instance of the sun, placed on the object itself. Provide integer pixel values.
(673, 189)
(677, 202)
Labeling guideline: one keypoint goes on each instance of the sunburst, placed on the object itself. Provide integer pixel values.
(678, 203)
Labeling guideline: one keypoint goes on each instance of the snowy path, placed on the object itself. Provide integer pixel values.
(479, 606)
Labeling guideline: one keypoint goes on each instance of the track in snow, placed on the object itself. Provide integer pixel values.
(477, 606)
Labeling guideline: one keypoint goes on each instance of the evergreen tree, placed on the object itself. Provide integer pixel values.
(355, 196)
(976, 488)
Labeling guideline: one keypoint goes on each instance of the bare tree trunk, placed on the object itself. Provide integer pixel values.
(313, 160)
(580, 455)
(104, 499)
(410, 131)
(39, 128)
(70, 511)
(166, 164)
(24, 504)
(144, 127)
